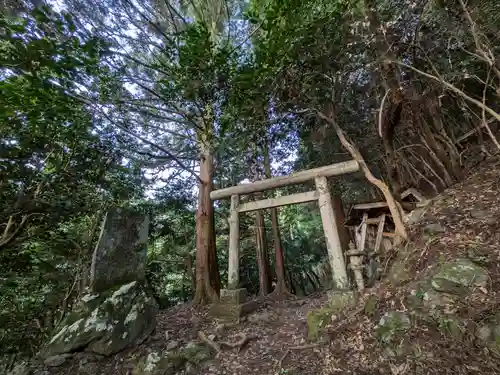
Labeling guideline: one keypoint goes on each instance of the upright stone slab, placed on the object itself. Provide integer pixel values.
(118, 312)
(120, 254)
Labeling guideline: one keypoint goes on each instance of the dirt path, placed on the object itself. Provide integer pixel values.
(277, 325)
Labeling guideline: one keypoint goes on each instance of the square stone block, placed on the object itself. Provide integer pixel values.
(231, 312)
(233, 296)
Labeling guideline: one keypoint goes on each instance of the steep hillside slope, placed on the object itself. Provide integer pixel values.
(435, 312)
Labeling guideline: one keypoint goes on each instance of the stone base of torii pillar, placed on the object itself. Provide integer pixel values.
(233, 305)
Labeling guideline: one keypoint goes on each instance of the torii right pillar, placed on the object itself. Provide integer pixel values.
(332, 237)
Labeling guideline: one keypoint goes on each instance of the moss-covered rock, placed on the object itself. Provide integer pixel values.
(197, 353)
(106, 323)
(317, 320)
(398, 273)
(156, 363)
(340, 300)
(169, 363)
(371, 305)
(452, 327)
(458, 276)
(425, 299)
(433, 228)
(392, 324)
(488, 333)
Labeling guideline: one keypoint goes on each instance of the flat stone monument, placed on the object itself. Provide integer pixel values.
(121, 252)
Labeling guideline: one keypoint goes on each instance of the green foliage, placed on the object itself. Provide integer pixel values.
(58, 172)
(171, 253)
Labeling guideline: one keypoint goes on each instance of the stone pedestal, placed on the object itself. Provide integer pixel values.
(233, 304)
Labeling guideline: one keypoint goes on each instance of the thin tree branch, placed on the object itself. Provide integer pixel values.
(452, 88)
(142, 139)
(381, 112)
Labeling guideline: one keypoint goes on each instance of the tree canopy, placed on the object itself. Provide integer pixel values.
(154, 105)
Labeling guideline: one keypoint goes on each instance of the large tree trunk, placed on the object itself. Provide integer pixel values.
(262, 254)
(338, 208)
(259, 228)
(281, 287)
(207, 272)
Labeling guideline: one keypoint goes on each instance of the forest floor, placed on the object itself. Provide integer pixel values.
(468, 220)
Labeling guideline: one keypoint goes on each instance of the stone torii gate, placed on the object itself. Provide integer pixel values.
(234, 295)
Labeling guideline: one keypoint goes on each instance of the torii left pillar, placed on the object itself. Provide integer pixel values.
(233, 302)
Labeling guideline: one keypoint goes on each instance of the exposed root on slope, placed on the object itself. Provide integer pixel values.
(217, 346)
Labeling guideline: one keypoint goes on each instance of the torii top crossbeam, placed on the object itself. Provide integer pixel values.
(295, 178)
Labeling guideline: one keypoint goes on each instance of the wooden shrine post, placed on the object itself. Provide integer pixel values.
(332, 237)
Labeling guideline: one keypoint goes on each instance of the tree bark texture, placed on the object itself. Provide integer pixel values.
(262, 254)
(207, 271)
(281, 286)
(389, 78)
(340, 219)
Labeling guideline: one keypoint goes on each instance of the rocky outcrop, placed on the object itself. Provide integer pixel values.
(434, 300)
(118, 312)
(187, 359)
(458, 276)
(106, 323)
(392, 324)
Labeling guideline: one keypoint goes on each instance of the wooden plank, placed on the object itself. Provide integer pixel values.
(295, 178)
(380, 232)
(364, 226)
(279, 201)
(370, 221)
(373, 220)
(367, 206)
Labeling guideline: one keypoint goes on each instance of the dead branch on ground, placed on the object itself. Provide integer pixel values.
(348, 319)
